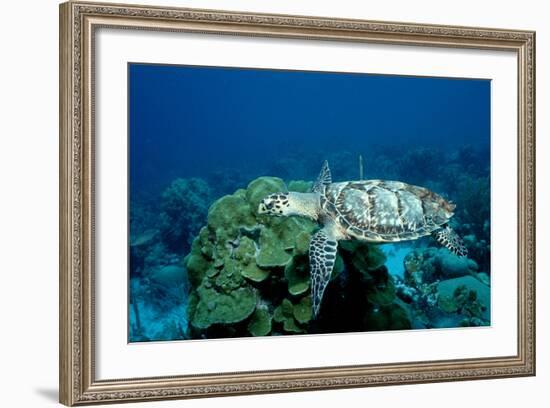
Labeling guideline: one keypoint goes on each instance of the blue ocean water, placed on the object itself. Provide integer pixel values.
(199, 133)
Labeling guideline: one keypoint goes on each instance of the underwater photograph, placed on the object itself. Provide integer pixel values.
(269, 202)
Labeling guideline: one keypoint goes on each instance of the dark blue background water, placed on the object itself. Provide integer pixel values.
(189, 121)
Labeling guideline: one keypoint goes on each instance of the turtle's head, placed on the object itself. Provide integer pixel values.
(285, 204)
(277, 204)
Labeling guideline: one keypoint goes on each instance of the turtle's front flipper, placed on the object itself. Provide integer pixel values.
(324, 178)
(448, 238)
(322, 256)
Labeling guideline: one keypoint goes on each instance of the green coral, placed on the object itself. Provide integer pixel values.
(369, 260)
(230, 277)
(245, 251)
(302, 311)
(278, 239)
(284, 313)
(254, 273)
(290, 326)
(228, 214)
(250, 273)
(297, 275)
(260, 323)
(236, 250)
(196, 263)
(301, 244)
(245, 254)
(364, 257)
(272, 253)
(217, 307)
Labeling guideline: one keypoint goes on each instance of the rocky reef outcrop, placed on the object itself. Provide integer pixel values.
(441, 289)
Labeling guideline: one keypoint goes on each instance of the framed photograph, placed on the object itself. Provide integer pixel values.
(258, 203)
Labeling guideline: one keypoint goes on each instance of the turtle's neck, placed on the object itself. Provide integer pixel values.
(304, 205)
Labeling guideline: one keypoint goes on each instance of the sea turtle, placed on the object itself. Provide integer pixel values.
(375, 211)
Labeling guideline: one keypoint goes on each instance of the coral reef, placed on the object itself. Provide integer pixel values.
(427, 265)
(467, 296)
(249, 274)
(290, 316)
(420, 164)
(226, 180)
(473, 198)
(158, 292)
(184, 205)
(158, 307)
(462, 176)
(260, 323)
(444, 290)
(215, 306)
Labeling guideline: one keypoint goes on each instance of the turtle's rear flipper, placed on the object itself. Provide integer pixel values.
(322, 256)
(448, 238)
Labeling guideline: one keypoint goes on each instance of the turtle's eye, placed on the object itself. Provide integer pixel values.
(269, 205)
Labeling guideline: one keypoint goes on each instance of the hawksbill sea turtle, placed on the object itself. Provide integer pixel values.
(375, 211)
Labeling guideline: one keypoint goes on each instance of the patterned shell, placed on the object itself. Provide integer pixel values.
(384, 211)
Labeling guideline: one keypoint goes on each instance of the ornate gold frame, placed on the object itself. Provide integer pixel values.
(78, 21)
